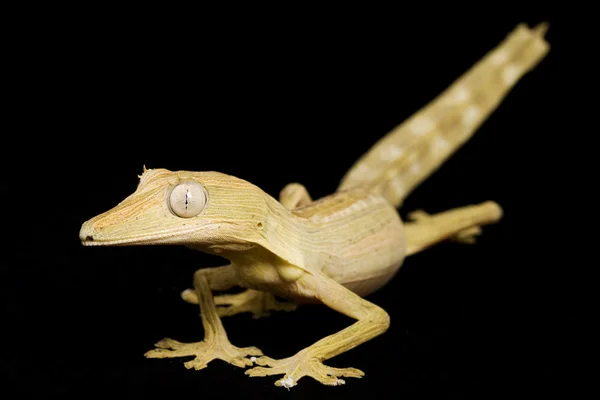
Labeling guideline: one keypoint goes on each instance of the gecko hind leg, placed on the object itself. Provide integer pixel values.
(465, 236)
(253, 301)
(460, 225)
(215, 345)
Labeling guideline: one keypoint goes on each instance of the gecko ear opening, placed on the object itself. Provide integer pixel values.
(187, 199)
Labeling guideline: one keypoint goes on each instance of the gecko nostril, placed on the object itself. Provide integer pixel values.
(87, 232)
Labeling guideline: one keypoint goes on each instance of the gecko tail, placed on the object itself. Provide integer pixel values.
(412, 151)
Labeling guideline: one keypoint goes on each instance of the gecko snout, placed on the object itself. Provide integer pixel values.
(87, 232)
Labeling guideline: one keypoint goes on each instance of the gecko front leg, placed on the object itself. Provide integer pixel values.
(215, 345)
(253, 301)
(371, 321)
(256, 302)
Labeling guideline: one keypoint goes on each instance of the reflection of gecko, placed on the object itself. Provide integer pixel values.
(333, 251)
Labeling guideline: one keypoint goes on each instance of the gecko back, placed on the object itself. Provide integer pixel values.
(412, 151)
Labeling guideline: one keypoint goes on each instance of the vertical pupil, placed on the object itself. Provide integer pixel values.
(187, 195)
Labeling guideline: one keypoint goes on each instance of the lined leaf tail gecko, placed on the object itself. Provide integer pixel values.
(333, 251)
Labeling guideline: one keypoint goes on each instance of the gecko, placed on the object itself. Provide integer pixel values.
(333, 251)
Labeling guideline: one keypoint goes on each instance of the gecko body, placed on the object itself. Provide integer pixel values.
(334, 251)
(354, 237)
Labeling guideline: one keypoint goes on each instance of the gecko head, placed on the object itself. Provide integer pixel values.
(211, 211)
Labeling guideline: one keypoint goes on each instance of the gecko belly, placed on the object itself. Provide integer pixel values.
(367, 285)
(372, 262)
(357, 239)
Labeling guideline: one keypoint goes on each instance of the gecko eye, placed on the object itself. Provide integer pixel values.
(187, 199)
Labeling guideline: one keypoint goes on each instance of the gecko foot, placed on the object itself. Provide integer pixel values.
(302, 364)
(466, 236)
(253, 301)
(205, 351)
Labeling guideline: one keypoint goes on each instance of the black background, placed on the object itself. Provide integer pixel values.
(273, 101)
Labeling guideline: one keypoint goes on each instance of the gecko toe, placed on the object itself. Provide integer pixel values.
(252, 351)
(167, 343)
(266, 361)
(259, 371)
(347, 372)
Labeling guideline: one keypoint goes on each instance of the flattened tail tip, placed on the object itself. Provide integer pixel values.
(541, 28)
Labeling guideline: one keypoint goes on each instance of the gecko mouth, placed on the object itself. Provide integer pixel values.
(95, 241)
(89, 237)
(90, 241)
